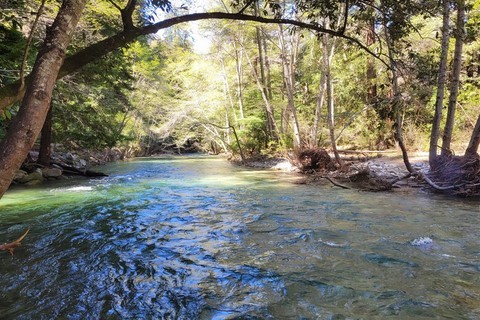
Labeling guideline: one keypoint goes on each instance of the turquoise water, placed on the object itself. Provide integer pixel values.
(197, 238)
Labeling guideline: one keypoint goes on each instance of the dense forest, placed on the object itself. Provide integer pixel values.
(275, 76)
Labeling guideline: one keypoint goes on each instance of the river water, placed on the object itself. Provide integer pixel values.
(197, 238)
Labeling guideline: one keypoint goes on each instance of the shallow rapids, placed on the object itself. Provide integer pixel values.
(197, 238)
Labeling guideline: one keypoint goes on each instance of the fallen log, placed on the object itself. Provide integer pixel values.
(80, 172)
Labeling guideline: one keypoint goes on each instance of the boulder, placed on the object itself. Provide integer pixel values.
(34, 176)
(51, 172)
(20, 174)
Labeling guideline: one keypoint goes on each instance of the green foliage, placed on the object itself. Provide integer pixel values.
(254, 136)
(91, 109)
(12, 46)
(159, 89)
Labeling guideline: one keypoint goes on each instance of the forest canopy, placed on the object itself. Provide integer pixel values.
(277, 75)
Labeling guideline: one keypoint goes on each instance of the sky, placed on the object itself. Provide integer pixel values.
(201, 40)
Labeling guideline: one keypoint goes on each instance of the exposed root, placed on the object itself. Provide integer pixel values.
(313, 160)
(459, 175)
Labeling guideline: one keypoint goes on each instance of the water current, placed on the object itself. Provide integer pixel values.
(197, 238)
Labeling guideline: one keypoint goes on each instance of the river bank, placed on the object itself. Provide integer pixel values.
(66, 164)
(366, 170)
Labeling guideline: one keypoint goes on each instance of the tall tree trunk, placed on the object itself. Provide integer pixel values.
(397, 104)
(228, 94)
(472, 148)
(258, 38)
(261, 63)
(45, 152)
(329, 49)
(268, 79)
(271, 123)
(442, 71)
(371, 72)
(239, 68)
(318, 109)
(288, 65)
(455, 83)
(28, 122)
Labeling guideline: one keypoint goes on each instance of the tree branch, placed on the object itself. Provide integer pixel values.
(12, 93)
(29, 42)
(115, 5)
(246, 6)
(345, 18)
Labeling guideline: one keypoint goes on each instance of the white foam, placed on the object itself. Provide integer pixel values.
(422, 241)
(81, 188)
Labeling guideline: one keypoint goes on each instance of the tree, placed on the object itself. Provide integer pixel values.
(32, 113)
(12, 93)
(472, 148)
(442, 70)
(455, 83)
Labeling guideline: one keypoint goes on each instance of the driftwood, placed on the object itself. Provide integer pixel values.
(12, 245)
(335, 183)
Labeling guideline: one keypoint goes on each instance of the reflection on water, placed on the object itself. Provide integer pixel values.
(195, 238)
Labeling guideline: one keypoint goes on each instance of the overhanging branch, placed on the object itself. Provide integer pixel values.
(10, 94)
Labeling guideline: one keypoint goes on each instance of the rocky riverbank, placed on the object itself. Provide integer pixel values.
(64, 165)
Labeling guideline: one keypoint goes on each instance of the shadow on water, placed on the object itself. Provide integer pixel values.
(195, 238)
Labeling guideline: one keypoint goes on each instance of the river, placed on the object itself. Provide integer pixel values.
(198, 238)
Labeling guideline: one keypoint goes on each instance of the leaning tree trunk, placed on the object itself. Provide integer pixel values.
(442, 71)
(28, 122)
(472, 148)
(45, 152)
(454, 85)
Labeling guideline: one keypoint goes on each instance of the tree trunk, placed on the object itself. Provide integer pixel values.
(289, 78)
(268, 79)
(28, 122)
(397, 104)
(472, 148)
(318, 110)
(239, 67)
(371, 72)
(455, 83)
(228, 94)
(329, 49)
(442, 71)
(45, 152)
(272, 125)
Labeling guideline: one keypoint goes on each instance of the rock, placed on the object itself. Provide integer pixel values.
(20, 174)
(33, 182)
(34, 176)
(51, 172)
